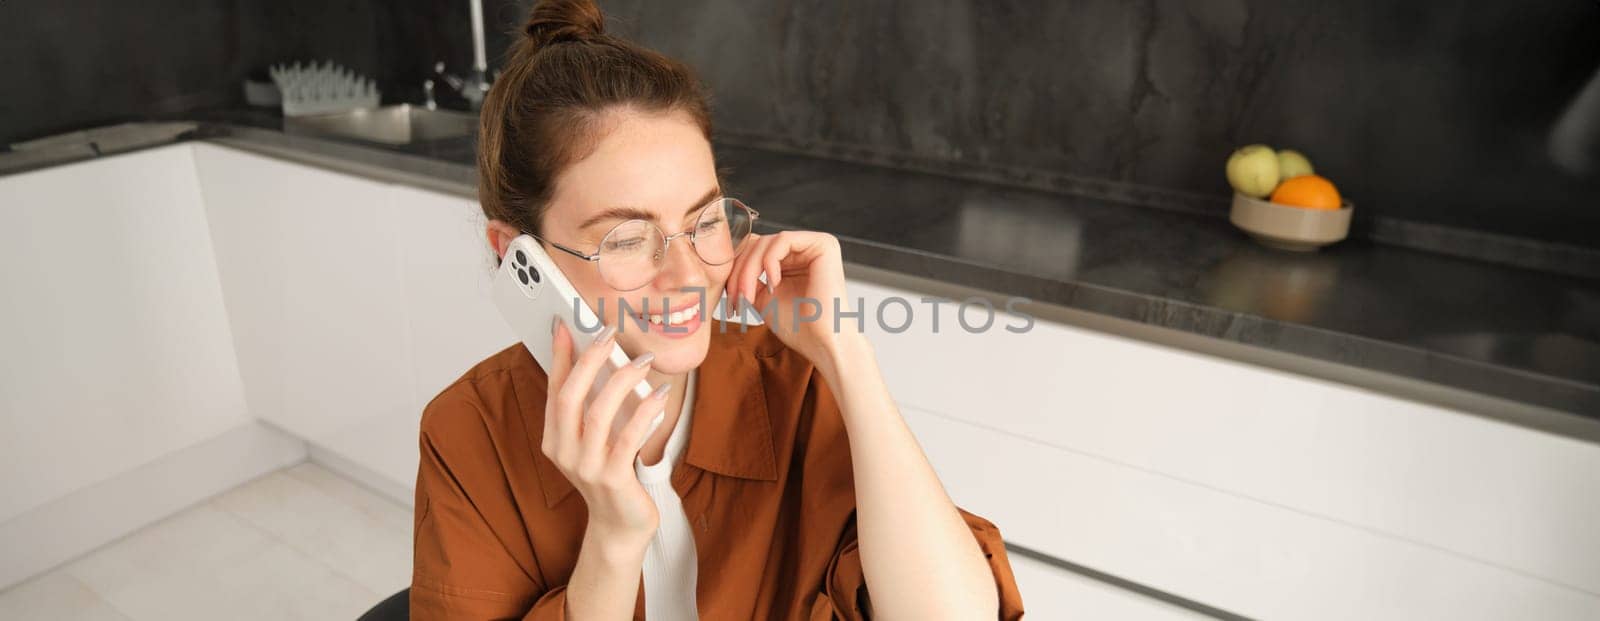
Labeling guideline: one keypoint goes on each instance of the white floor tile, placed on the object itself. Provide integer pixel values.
(330, 520)
(368, 501)
(206, 563)
(300, 543)
(55, 596)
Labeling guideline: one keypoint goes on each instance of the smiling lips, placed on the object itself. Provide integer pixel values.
(683, 322)
(676, 317)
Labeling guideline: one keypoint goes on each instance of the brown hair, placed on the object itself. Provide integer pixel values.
(548, 108)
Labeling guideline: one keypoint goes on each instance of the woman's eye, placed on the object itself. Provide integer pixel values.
(625, 245)
(711, 225)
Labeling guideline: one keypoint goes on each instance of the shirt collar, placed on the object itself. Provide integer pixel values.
(730, 433)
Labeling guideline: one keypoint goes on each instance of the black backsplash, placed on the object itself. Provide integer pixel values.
(80, 64)
(1435, 113)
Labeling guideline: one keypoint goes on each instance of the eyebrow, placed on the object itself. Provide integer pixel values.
(635, 213)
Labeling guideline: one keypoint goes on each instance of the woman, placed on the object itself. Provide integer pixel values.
(781, 482)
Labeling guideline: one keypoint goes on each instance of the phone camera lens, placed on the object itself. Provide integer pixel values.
(522, 259)
(534, 273)
(523, 276)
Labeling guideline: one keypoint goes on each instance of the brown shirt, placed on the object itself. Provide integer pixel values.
(765, 481)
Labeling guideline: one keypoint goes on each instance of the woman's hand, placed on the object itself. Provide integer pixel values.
(579, 439)
(803, 266)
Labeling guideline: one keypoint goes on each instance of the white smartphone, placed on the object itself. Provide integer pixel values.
(531, 292)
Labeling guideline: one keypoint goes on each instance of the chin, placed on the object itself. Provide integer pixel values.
(675, 352)
(681, 357)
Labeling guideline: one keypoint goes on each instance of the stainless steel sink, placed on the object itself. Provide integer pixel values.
(395, 124)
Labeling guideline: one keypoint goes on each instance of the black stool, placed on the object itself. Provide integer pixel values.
(396, 608)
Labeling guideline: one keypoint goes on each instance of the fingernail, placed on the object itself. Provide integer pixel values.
(661, 391)
(654, 423)
(643, 360)
(605, 335)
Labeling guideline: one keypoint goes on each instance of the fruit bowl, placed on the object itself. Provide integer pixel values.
(1288, 227)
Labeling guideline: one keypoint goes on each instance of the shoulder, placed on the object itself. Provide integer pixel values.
(480, 400)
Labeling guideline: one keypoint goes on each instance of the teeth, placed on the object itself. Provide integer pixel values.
(676, 317)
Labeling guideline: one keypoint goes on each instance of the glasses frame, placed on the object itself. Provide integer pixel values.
(666, 240)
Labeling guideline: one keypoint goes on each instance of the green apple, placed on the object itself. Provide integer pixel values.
(1253, 170)
(1292, 163)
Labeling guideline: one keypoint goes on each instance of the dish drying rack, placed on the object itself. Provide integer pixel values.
(322, 88)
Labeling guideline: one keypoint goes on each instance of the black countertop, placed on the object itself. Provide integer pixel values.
(1509, 332)
(1514, 334)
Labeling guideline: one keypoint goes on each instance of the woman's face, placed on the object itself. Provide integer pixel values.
(649, 167)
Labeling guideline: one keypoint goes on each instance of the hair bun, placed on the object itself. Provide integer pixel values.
(558, 21)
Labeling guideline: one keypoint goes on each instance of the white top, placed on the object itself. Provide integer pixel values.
(670, 566)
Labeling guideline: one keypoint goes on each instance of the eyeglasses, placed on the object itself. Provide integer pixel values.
(632, 252)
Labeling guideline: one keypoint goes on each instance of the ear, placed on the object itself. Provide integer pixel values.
(500, 235)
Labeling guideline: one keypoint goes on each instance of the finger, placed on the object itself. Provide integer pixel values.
(823, 249)
(576, 388)
(729, 287)
(772, 264)
(747, 251)
(772, 253)
(763, 298)
(603, 410)
(561, 354)
(752, 268)
(735, 274)
(640, 423)
(556, 425)
(804, 248)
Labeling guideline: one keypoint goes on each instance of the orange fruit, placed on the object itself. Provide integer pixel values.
(1309, 191)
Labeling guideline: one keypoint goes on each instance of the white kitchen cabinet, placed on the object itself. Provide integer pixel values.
(449, 325)
(447, 267)
(1253, 490)
(120, 394)
(1235, 553)
(311, 271)
(354, 303)
(1049, 592)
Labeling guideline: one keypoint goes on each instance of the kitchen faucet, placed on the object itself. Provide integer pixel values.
(476, 85)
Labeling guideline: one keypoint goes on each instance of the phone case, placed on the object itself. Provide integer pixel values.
(530, 290)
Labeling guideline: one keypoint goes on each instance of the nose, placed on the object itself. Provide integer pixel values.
(681, 267)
